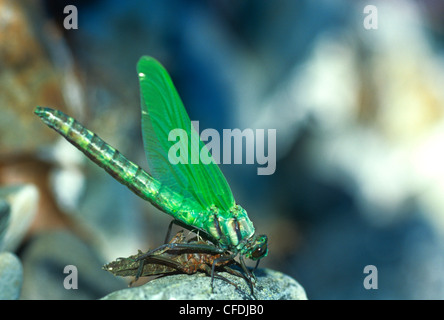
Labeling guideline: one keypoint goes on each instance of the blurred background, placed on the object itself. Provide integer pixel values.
(359, 115)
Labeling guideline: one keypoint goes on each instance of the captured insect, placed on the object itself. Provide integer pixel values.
(197, 196)
(174, 261)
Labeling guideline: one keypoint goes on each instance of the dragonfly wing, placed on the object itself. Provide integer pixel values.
(163, 111)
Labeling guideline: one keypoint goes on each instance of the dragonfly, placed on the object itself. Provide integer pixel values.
(173, 261)
(196, 196)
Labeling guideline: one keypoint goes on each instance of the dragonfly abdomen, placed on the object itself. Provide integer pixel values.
(107, 157)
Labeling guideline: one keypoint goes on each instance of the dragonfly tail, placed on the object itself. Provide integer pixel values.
(104, 155)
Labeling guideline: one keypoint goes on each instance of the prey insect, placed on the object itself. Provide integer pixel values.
(174, 261)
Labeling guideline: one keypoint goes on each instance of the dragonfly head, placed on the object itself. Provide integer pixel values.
(257, 247)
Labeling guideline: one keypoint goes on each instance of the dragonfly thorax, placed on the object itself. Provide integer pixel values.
(231, 229)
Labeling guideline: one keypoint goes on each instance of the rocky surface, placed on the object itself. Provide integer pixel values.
(17, 208)
(18, 205)
(58, 265)
(11, 276)
(270, 285)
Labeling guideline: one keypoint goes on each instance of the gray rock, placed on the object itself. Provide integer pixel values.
(11, 276)
(270, 285)
(22, 201)
(48, 261)
(4, 218)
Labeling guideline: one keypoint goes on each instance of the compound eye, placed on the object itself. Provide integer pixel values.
(259, 252)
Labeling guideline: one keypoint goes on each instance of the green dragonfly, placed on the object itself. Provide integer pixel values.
(197, 196)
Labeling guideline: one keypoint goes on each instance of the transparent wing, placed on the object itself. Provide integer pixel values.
(163, 111)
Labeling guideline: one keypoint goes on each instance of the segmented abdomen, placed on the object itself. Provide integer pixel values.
(107, 157)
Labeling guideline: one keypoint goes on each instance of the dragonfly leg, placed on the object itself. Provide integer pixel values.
(161, 261)
(255, 267)
(251, 276)
(170, 226)
(215, 262)
(145, 256)
(170, 263)
(139, 272)
(186, 247)
(240, 275)
(198, 231)
(208, 271)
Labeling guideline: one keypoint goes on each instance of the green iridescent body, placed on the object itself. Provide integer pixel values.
(144, 185)
(196, 195)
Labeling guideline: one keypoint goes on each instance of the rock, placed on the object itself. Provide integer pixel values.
(22, 201)
(11, 276)
(58, 265)
(4, 218)
(270, 285)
